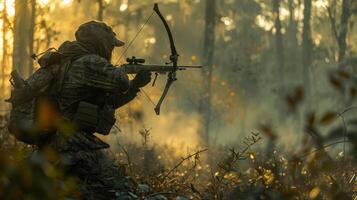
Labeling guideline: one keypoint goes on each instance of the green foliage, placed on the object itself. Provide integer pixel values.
(33, 178)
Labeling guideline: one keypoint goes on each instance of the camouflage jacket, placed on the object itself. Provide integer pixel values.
(90, 78)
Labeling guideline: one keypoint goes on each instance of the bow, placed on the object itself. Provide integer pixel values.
(173, 58)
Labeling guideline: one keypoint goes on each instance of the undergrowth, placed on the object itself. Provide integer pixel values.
(307, 171)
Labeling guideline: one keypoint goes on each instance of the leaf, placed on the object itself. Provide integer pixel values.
(353, 92)
(292, 100)
(267, 130)
(328, 118)
(311, 120)
(336, 82)
(343, 74)
(314, 192)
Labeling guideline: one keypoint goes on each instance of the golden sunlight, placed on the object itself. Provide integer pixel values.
(256, 117)
(321, 3)
(10, 7)
(66, 2)
(124, 6)
(43, 2)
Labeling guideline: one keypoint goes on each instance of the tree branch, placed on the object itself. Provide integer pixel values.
(332, 22)
(183, 160)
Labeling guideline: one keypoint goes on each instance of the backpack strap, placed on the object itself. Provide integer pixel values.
(63, 70)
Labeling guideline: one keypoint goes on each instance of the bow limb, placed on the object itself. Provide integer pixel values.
(174, 55)
(169, 82)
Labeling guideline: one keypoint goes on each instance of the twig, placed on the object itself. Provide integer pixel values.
(127, 158)
(348, 109)
(236, 156)
(323, 147)
(344, 133)
(123, 149)
(345, 126)
(183, 160)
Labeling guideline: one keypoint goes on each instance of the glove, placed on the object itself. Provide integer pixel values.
(141, 79)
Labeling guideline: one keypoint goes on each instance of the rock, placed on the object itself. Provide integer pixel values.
(125, 196)
(181, 198)
(156, 197)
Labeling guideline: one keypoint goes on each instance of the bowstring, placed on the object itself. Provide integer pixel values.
(134, 38)
(148, 97)
(126, 49)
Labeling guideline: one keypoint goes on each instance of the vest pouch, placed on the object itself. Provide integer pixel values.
(106, 120)
(86, 117)
(26, 125)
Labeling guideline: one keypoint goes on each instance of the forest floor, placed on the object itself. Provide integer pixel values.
(238, 173)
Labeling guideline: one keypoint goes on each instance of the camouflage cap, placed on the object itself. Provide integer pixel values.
(94, 29)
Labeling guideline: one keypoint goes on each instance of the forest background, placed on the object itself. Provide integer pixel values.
(261, 52)
(281, 68)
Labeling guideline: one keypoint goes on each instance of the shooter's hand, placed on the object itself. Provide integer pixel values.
(141, 79)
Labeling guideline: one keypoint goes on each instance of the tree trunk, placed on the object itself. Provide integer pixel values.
(31, 33)
(21, 55)
(127, 23)
(100, 10)
(279, 47)
(292, 50)
(4, 60)
(126, 40)
(292, 27)
(208, 54)
(345, 15)
(306, 47)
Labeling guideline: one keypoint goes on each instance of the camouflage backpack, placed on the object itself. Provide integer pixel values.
(35, 110)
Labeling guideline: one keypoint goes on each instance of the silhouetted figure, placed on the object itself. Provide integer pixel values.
(77, 87)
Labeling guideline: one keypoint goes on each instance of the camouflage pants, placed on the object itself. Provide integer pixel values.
(98, 175)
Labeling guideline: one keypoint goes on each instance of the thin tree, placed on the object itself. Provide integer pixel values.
(306, 45)
(292, 23)
(31, 32)
(4, 62)
(126, 39)
(345, 15)
(100, 10)
(340, 32)
(208, 55)
(292, 30)
(279, 47)
(21, 56)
